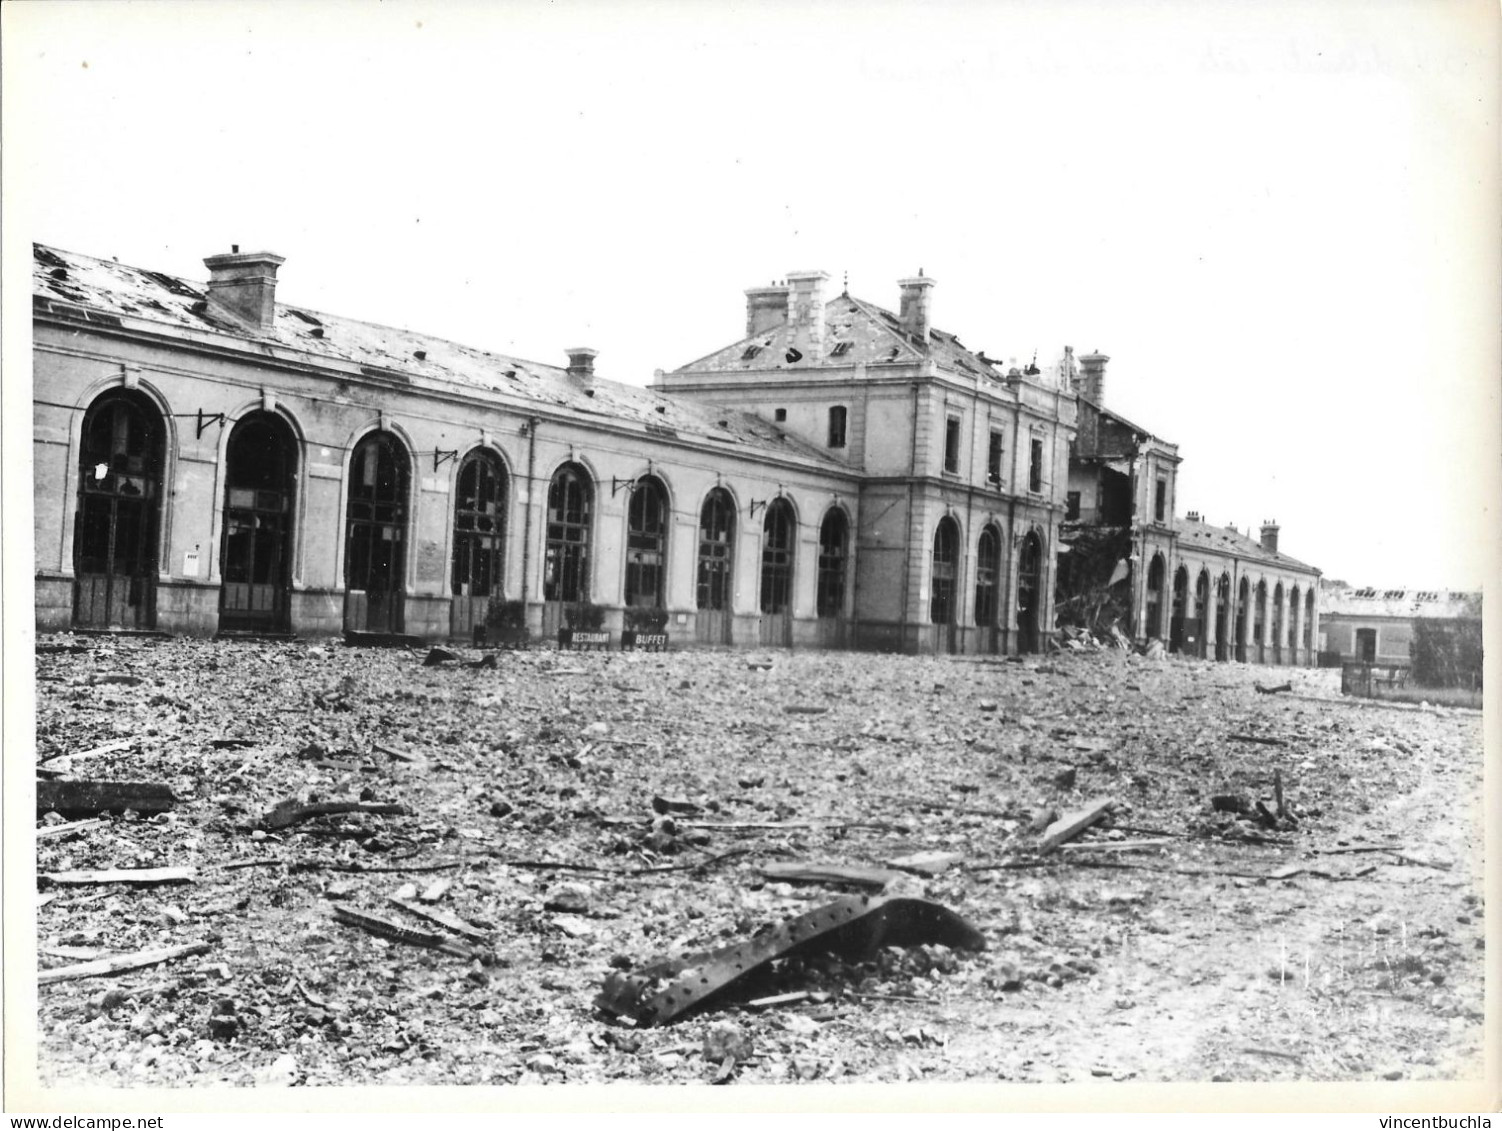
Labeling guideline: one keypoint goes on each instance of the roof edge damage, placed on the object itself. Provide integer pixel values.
(238, 308)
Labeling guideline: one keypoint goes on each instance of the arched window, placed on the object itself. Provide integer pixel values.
(375, 542)
(716, 550)
(121, 461)
(479, 526)
(1259, 615)
(256, 548)
(565, 571)
(647, 519)
(1029, 591)
(1309, 619)
(941, 602)
(1155, 571)
(779, 530)
(834, 539)
(1277, 636)
(987, 572)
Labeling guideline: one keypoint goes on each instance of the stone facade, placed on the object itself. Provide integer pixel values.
(210, 460)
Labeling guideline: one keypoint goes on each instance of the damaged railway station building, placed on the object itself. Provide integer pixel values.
(209, 460)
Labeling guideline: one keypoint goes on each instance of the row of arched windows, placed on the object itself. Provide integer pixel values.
(119, 514)
(1266, 625)
(943, 601)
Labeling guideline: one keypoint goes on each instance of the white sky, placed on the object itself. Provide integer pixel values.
(1281, 221)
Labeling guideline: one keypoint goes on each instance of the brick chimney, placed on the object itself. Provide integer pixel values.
(766, 307)
(916, 311)
(581, 363)
(1071, 371)
(806, 317)
(1270, 537)
(245, 285)
(1093, 378)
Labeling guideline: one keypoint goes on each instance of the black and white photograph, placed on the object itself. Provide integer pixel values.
(907, 556)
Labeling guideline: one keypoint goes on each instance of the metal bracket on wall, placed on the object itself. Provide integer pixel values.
(205, 421)
(440, 458)
(629, 485)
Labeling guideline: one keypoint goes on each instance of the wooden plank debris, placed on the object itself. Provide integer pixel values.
(390, 929)
(1260, 740)
(90, 797)
(803, 709)
(1115, 845)
(442, 918)
(123, 876)
(931, 863)
(291, 811)
(120, 963)
(108, 748)
(803, 873)
(54, 832)
(1070, 825)
(1272, 690)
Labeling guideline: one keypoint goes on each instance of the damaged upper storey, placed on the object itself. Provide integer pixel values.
(236, 310)
(790, 326)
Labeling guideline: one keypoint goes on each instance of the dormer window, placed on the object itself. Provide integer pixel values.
(840, 349)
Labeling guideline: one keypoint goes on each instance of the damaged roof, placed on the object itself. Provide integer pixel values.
(1194, 534)
(860, 332)
(105, 293)
(1405, 604)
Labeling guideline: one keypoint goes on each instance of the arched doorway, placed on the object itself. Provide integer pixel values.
(834, 556)
(1243, 599)
(988, 587)
(647, 521)
(255, 556)
(1198, 637)
(1309, 654)
(1258, 651)
(1224, 645)
(1029, 592)
(375, 560)
(779, 532)
(1156, 569)
(1294, 652)
(943, 588)
(121, 458)
(1278, 615)
(479, 540)
(716, 568)
(1179, 611)
(565, 562)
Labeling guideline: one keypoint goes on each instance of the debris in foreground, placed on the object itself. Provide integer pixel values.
(389, 929)
(858, 925)
(120, 962)
(291, 811)
(123, 876)
(802, 873)
(86, 798)
(1070, 825)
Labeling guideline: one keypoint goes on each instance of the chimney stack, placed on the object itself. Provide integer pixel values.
(916, 311)
(581, 363)
(245, 285)
(766, 307)
(1071, 371)
(1093, 379)
(806, 317)
(1270, 537)
(1193, 516)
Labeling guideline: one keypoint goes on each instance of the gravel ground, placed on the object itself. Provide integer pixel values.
(529, 788)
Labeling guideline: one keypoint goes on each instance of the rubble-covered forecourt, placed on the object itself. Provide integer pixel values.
(519, 799)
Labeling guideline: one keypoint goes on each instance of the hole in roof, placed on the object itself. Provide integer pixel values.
(840, 349)
(176, 286)
(306, 317)
(662, 408)
(750, 352)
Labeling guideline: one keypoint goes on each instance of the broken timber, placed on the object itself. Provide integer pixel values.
(52, 832)
(389, 929)
(290, 812)
(829, 874)
(90, 797)
(120, 962)
(860, 925)
(442, 918)
(124, 876)
(1258, 739)
(1070, 825)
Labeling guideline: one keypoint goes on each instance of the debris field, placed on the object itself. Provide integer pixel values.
(290, 863)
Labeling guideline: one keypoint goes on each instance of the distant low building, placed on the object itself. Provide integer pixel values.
(1378, 626)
